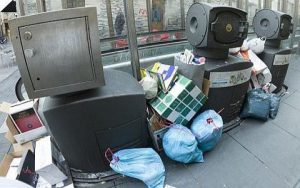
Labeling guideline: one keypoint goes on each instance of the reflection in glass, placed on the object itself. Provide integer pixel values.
(141, 16)
(220, 2)
(275, 4)
(52, 5)
(72, 3)
(187, 4)
(172, 15)
(157, 17)
(30, 7)
(290, 7)
(253, 6)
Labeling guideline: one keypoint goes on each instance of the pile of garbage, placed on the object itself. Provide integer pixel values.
(177, 125)
(174, 98)
(261, 102)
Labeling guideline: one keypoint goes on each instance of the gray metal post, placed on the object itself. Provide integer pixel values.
(296, 22)
(20, 7)
(267, 4)
(23, 7)
(246, 5)
(132, 39)
(41, 6)
(109, 18)
(240, 4)
(182, 14)
(149, 14)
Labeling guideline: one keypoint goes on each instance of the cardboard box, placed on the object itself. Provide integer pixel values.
(5, 164)
(17, 127)
(20, 149)
(157, 131)
(181, 103)
(157, 137)
(45, 166)
(24, 115)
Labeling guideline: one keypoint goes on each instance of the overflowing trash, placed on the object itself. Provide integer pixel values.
(190, 67)
(207, 127)
(180, 145)
(261, 102)
(181, 103)
(142, 163)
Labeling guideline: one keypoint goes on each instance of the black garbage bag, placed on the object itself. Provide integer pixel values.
(257, 105)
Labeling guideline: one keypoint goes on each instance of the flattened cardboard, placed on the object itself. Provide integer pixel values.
(5, 164)
(10, 137)
(44, 164)
(31, 135)
(4, 107)
(13, 169)
(205, 86)
(11, 126)
(19, 149)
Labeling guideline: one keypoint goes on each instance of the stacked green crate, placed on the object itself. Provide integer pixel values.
(181, 103)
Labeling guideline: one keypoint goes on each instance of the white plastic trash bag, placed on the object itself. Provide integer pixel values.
(207, 127)
(142, 163)
(180, 145)
(245, 46)
(234, 51)
(150, 87)
(257, 45)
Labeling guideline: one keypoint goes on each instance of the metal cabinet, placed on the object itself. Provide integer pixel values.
(58, 52)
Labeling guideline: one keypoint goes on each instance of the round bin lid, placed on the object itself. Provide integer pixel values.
(196, 24)
(226, 27)
(266, 23)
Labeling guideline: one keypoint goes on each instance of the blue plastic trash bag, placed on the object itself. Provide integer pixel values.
(257, 105)
(143, 164)
(180, 145)
(207, 127)
(274, 105)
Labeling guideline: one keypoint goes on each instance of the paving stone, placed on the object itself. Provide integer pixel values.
(293, 100)
(276, 148)
(230, 165)
(288, 119)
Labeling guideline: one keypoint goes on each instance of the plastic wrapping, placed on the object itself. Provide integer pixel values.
(257, 45)
(207, 127)
(150, 87)
(180, 145)
(257, 105)
(143, 164)
(274, 105)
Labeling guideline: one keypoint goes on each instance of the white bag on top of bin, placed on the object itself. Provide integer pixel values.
(180, 145)
(257, 45)
(207, 127)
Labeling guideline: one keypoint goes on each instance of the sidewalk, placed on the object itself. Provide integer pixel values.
(9, 75)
